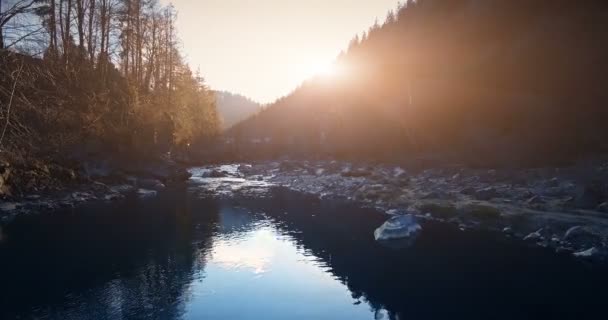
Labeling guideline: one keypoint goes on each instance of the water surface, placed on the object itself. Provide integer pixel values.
(281, 256)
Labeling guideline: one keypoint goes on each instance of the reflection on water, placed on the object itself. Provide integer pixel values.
(285, 256)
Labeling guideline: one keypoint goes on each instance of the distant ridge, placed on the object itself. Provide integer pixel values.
(233, 108)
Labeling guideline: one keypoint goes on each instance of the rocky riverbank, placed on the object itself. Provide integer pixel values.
(562, 208)
(36, 186)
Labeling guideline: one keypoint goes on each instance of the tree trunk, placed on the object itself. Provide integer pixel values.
(90, 45)
(53, 28)
(67, 41)
(80, 25)
(1, 31)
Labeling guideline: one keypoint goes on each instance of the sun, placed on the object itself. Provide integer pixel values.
(318, 69)
(324, 70)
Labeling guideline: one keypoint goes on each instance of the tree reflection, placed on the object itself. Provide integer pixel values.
(135, 260)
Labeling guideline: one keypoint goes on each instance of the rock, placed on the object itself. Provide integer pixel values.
(143, 193)
(179, 175)
(151, 184)
(442, 195)
(589, 253)
(289, 166)
(397, 227)
(97, 169)
(486, 194)
(358, 173)
(507, 230)
(564, 250)
(82, 196)
(8, 206)
(481, 212)
(113, 196)
(215, 174)
(398, 172)
(437, 209)
(554, 182)
(534, 200)
(534, 236)
(125, 188)
(393, 212)
(603, 207)
(581, 236)
(591, 195)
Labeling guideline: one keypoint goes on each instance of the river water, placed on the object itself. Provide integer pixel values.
(190, 255)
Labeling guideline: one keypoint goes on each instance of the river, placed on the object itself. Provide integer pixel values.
(282, 255)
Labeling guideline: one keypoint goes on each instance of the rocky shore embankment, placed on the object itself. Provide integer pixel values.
(561, 208)
(36, 186)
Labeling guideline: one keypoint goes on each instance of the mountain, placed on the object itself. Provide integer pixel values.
(233, 108)
(492, 80)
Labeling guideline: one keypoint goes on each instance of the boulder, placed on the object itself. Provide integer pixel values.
(398, 227)
(591, 195)
(152, 184)
(144, 193)
(486, 194)
(215, 174)
(125, 188)
(589, 253)
(481, 212)
(8, 207)
(581, 236)
(358, 173)
(534, 236)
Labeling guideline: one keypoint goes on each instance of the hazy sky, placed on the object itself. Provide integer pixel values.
(264, 48)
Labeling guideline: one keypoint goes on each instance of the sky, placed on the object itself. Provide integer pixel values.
(264, 49)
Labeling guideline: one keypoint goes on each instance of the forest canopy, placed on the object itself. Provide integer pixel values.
(97, 71)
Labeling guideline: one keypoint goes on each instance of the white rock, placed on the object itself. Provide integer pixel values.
(534, 236)
(8, 206)
(587, 253)
(144, 193)
(392, 212)
(398, 227)
(122, 188)
(398, 172)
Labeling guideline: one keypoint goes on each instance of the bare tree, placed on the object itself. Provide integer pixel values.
(15, 9)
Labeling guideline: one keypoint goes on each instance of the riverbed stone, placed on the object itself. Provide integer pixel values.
(479, 211)
(152, 184)
(589, 253)
(486, 194)
(144, 193)
(534, 236)
(582, 236)
(6, 207)
(591, 195)
(397, 227)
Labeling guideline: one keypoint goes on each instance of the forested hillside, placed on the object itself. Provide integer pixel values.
(233, 108)
(485, 81)
(95, 76)
(97, 70)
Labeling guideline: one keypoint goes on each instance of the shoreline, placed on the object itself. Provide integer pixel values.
(547, 207)
(558, 208)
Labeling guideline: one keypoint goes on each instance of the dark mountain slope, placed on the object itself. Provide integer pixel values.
(485, 81)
